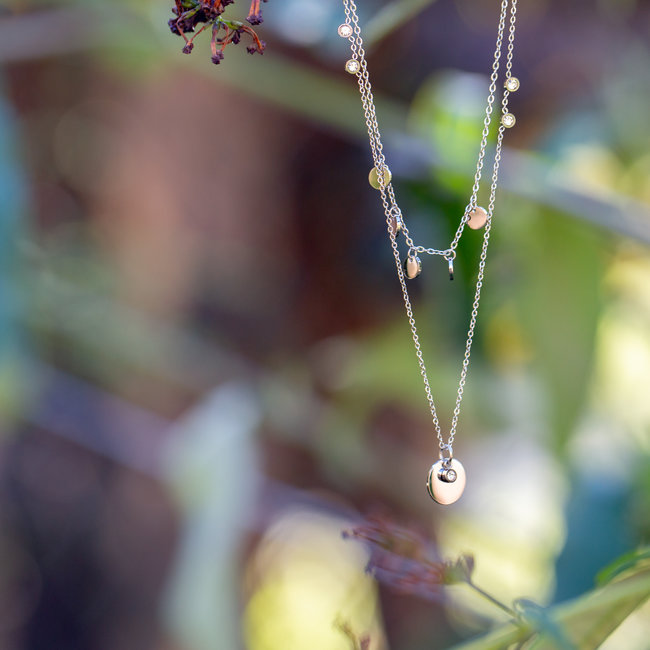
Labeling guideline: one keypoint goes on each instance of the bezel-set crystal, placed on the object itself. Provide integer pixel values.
(512, 84)
(508, 120)
(345, 30)
(352, 66)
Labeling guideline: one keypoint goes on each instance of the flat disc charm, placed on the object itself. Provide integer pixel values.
(477, 218)
(373, 177)
(446, 481)
(412, 267)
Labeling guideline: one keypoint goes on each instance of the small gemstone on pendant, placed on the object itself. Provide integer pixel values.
(373, 177)
(352, 66)
(477, 218)
(512, 84)
(345, 30)
(508, 120)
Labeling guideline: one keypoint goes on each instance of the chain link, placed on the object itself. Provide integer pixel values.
(394, 213)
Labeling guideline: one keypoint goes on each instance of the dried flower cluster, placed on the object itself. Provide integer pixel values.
(406, 560)
(189, 14)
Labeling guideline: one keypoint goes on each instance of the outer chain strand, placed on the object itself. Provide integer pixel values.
(394, 214)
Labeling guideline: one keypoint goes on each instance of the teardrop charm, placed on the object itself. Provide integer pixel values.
(446, 481)
(412, 267)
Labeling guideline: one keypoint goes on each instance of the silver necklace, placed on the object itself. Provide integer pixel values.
(446, 480)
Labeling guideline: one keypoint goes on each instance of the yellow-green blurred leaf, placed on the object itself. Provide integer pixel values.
(587, 621)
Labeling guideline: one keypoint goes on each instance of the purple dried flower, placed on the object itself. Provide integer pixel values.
(190, 14)
(255, 13)
(406, 560)
(256, 46)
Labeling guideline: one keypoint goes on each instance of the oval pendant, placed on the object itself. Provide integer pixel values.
(446, 481)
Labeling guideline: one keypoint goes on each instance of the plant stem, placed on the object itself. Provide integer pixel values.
(492, 599)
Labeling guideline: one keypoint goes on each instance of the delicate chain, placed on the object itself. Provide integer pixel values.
(394, 215)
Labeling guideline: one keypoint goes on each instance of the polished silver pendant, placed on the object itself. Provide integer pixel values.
(446, 481)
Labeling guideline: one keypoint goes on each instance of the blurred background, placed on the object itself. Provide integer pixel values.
(206, 374)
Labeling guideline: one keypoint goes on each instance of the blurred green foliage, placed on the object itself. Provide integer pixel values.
(562, 349)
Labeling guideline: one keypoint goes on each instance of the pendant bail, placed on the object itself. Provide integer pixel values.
(446, 458)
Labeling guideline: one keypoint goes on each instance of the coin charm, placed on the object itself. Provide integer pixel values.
(446, 481)
(373, 177)
(477, 218)
(395, 226)
(412, 267)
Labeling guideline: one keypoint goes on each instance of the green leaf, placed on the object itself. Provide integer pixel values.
(562, 266)
(623, 564)
(587, 621)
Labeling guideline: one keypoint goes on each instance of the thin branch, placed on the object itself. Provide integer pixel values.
(492, 599)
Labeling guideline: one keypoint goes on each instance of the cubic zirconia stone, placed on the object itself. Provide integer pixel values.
(345, 30)
(512, 84)
(352, 66)
(508, 120)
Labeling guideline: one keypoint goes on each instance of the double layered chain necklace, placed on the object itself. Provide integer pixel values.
(446, 479)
